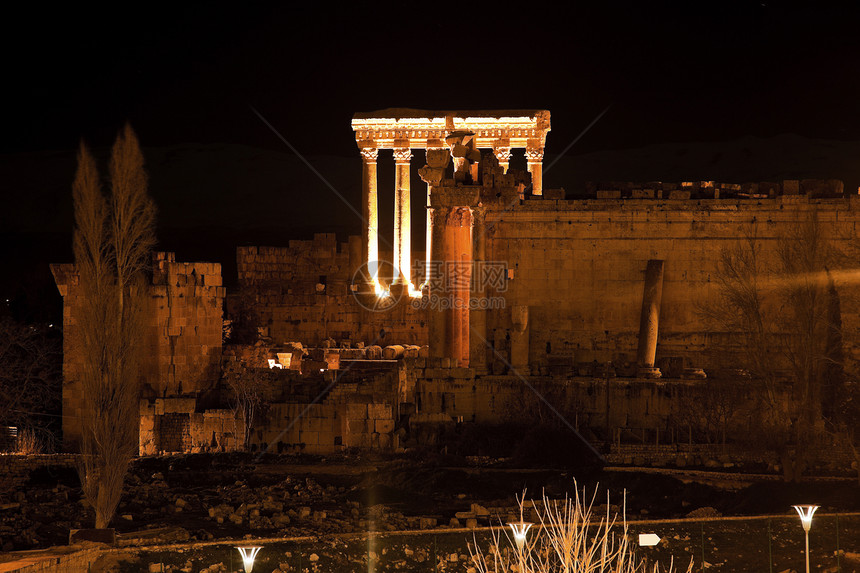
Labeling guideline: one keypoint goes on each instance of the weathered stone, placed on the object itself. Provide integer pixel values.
(479, 510)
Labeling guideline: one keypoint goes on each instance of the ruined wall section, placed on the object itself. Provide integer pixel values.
(579, 265)
(183, 338)
(171, 425)
(303, 293)
(188, 301)
(358, 411)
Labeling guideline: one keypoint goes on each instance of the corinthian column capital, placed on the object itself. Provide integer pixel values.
(503, 154)
(534, 155)
(369, 154)
(402, 155)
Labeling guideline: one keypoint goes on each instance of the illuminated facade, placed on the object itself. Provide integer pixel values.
(521, 284)
(403, 130)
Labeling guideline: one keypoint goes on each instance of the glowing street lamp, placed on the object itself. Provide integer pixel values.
(520, 529)
(805, 512)
(248, 555)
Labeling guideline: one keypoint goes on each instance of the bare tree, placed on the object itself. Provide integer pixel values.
(841, 394)
(707, 412)
(30, 381)
(777, 310)
(250, 384)
(113, 240)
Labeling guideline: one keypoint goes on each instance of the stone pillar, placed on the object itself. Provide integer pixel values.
(450, 286)
(503, 154)
(428, 244)
(534, 158)
(459, 274)
(520, 339)
(649, 322)
(438, 338)
(402, 228)
(370, 210)
(478, 341)
(432, 174)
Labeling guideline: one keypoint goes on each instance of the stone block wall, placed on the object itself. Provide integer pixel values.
(183, 338)
(369, 426)
(579, 265)
(599, 404)
(188, 300)
(17, 467)
(576, 265)
(310, 428)
(304, 293)
(166, 423)
(327, 427)
(721, 457)
(359, 411)
(55, 560)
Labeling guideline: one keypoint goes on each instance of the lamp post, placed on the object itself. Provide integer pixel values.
(520, 529)
(248, 556)
(805, 512)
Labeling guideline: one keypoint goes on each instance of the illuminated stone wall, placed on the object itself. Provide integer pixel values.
(183, 338)
(302, 293)
(168, 422)
(576, 274)
(359, 411)
(579, 266)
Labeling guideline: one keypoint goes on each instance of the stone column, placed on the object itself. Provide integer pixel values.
(428, 243)
(370, 210)
(478, 341)
(450, 286)
(503, 154)
(437, 160)
(649, 322)
(520, 339)
(437, 317)
(534, 158)
(402, 229)
(459, 273)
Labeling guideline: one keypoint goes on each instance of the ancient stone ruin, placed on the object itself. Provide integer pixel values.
(594, 302)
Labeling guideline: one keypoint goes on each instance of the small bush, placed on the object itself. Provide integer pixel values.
(568, 537)
(29, 442)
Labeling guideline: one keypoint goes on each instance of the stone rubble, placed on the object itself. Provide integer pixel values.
(165, 507)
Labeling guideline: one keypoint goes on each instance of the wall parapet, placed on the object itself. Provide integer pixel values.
(650, 191)
(17, 467)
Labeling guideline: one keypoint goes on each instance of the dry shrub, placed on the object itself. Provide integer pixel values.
(568, 538)
(29, 442)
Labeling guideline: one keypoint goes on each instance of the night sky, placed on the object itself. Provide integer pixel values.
(187, 75)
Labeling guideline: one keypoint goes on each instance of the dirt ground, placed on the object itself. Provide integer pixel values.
(207, 498)
(741, 546)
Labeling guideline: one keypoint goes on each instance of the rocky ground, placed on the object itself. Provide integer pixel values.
(736, 546)
(230, 496)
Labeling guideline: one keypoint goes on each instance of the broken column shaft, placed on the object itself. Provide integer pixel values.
(649, 322)
(450, 287)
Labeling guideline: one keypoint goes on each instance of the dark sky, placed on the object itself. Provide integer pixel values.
(693, 71)
(186, 75)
